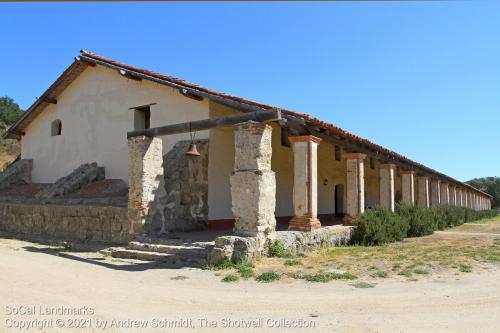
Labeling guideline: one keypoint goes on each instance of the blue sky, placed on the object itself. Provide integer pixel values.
(421, 78)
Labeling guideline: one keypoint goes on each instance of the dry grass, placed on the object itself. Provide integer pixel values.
(411, 259)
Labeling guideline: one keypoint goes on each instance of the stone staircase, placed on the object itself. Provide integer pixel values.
(176, 252)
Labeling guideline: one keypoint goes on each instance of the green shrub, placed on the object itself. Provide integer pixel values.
(277, 249)
(420, 221)
(268, 277)
(378, 226)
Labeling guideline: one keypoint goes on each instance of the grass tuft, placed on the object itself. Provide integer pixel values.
(326, 277)
(230, 278)
(465, 268)
(268, 277)
(380, 274)
(293, 262)
(406, 273)
(421, 271)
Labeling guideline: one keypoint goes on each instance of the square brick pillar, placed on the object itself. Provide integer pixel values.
(408, 186)
(445, 194)
(145, 170)
(423, 192)
(253, 183)
(459, 198)
(386, 173)
(435, 193)
(355, 184)
(466, 199)
(305, 183)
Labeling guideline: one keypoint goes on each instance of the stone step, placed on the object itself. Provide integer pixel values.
(176, 242)
(168, 258)
(171, 249)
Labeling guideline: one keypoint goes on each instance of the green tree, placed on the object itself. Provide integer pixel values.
(490, 185)
(9, 111)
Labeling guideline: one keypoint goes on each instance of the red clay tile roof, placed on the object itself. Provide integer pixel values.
(90, 58)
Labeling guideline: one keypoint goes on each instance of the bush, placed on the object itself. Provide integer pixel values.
(378, 226)
(420, 221)
(277, 249)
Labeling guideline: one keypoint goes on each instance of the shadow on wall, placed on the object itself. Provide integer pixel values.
(181, 201)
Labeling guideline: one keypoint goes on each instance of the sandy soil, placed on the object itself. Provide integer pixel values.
(32, 276)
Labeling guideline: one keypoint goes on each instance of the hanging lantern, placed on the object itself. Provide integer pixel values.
(192, 150)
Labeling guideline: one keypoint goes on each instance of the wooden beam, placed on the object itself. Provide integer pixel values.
(205, 124)
(129, 75)
(188, 94)
(49, 100)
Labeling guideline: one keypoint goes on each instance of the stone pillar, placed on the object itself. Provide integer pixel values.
(253, 183)
(355, 184)
(408, 185)
(423, 192)
(305, 183)
(436, 193)
(445, 194)
(386, 173)
(145, 170)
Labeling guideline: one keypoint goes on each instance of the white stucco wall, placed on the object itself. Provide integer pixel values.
(95, 116)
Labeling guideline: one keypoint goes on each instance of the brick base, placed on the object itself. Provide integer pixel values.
(304, 223)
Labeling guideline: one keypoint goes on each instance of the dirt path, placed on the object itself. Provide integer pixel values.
(117, 290)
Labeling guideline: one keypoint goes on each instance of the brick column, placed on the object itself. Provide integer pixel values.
(305, 183)
(423, 192)
(466, 199)
(408, 185)
(459, 198)
(386, 173)
(445, 194)
(145, 170)
(355, 184)
(253, 183)
(435, 193)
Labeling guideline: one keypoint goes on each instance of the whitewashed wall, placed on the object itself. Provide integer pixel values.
(95, 116)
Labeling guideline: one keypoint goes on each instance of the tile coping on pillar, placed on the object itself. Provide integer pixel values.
(305, 138)
(354, 156)
(407, 172)
(387, 166)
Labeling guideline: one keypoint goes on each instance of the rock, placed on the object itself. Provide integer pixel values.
(18, 173)
(81, 176)
(299, 241)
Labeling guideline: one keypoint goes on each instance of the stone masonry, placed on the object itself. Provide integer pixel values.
(81, 176)
(70, 223)
(145, 172)
(253, 183)
(18, 173)
(182, 203)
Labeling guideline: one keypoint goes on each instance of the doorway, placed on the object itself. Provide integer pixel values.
(339, 200)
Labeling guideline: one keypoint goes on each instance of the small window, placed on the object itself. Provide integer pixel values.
(372, 163)
(284, 137)
(56, 128)
(338, 153)
(142, 117)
